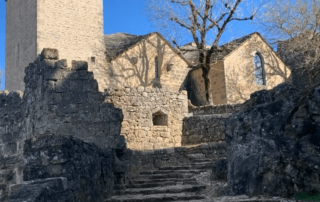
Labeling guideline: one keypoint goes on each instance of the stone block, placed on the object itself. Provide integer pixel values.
(131, 138)
(52, 74)
(158, 146)
(147, 146)
(79, 65)
(159, 139)
(49, 53)
(90, 85)
(153, 140)
(165, 134)
(10, 148)
(48, 64)
(61, 64)
(177, 139)
(76, 85)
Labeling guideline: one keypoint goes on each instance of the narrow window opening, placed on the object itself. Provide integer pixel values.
(156, 67)
(93, 59)
(160, 119)
(259, 71)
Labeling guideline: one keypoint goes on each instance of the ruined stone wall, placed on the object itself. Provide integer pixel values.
(11, 120)
(21, 41)
(65, 100)
(204, 129)
(138, 107)
(59, 168)
(220, 109)
(57, 100)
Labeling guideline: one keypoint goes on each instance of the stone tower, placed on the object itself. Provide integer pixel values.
(74, 27)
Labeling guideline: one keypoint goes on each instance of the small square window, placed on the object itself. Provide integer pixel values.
(93, 59)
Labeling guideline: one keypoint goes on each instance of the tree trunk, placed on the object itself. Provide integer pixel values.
(207, 83)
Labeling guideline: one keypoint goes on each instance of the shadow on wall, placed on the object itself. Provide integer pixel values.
(11, 119)
(242, 80)
(65, 101)
(140, 66)
(233, 78)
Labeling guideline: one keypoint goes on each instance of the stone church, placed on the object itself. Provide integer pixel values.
(153, 80)
(94, 117)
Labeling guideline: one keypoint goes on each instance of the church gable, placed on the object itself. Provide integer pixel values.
(147, 60)
(252, 66)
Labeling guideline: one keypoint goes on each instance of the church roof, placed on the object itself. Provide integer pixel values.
(120, 42)
(191, 53)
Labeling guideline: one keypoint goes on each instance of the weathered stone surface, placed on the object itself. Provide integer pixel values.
(215, 109)
(49, 53)
(11, 119)
(203, 129)
(220, 170)
(56, 100)
(59, 168)
(67, 102)
(140, 106)
(274, 143)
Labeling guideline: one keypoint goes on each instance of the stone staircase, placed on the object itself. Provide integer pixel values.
(185, 181)
(167, 183)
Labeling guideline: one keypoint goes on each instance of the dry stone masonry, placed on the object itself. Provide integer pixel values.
(58, 100)
(63, 169)
(65, 100)
(152, 117)
(11, 119)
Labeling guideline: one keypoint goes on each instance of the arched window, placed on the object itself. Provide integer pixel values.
(259, 71)
(156, 67)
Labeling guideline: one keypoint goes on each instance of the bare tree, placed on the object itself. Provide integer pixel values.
(202, 20)
(294, 26)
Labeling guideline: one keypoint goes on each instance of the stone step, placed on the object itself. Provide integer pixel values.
(156, 197)
(159, 190)
(163, 176)
(163, 183)
(187, 167)
(146, 181)
(194, 171)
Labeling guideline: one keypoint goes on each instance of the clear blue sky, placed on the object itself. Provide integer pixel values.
(119, 16)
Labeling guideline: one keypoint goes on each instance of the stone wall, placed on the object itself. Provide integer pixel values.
(65, 100)
(59, 168)
(73, 27)
(11, 119)
(204, 129)
(220, 109)
(58, 100)
(140, 105)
